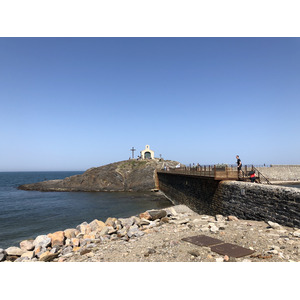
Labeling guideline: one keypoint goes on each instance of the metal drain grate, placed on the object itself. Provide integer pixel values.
(219, 246)
(231, 250)
(202, 240)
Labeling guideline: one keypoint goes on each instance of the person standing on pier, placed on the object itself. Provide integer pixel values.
(239, 167)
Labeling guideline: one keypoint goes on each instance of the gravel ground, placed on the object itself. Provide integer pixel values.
(163, 243)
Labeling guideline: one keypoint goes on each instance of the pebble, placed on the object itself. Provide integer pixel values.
(149, 251)
(219, 259)
(296, 233)
(232, 218)
(274, 225)
(220, 218)
(194, 252)
(90, 254)
(204, 229)
(184, 221)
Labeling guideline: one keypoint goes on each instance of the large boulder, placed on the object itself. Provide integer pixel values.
(84, 228)
(126, 221)
(57, 238)
(47, 256)
(28, 254)
(71, 233)
(111, 222)
(27, 245)
(153, 214)
(39, 251)
(145, 215)
(157, 214)
(96, 225)
(42, 241)
(14, 251)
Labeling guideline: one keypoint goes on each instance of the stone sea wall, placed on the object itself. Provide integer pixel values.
(197, 194)
(260, 202)
(242, 199)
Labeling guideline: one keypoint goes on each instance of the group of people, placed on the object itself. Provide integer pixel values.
(240, 173)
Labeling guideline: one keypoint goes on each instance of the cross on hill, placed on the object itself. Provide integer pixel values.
(132, 149)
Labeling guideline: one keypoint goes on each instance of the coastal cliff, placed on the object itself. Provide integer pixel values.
(129, 175)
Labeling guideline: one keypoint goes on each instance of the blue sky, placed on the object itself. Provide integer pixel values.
(76, 103)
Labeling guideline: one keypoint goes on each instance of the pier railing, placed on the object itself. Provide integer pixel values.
(218, 172)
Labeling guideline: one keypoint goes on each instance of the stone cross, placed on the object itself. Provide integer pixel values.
(132, 149)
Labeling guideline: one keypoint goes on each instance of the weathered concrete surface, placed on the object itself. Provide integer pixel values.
(281, 173)
(129, 175)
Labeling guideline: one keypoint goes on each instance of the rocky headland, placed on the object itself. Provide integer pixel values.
(156, 236)
(129, 175)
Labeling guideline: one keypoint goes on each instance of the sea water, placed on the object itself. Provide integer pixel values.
(27, 214)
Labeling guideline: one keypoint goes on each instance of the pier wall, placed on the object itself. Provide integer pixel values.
(242, 199)
(260, 202)
(197, 193)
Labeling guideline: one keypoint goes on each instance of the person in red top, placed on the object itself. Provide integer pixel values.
(252, 176)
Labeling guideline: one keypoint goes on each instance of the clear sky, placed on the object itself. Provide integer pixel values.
(76, 103)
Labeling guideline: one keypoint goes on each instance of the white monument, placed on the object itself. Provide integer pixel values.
(147, 153)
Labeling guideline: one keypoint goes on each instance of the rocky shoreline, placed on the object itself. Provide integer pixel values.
(156, 236)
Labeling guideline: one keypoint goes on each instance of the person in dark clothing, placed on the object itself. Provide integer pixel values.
(239, 162)
(239, 166)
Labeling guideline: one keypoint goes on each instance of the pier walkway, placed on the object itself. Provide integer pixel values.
(218, 172)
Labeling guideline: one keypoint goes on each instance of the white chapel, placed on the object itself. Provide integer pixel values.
(147, 153)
